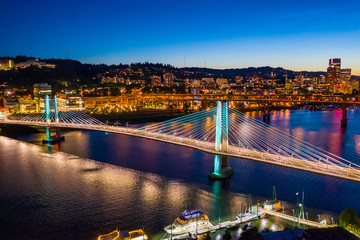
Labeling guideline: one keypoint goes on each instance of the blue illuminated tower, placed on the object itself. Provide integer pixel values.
(56, 110)
(47, 111)
(221, 169)
(57, 137)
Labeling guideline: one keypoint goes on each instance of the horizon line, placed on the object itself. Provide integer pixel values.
(229, 68)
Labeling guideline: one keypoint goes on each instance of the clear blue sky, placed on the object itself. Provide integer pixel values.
(299, 35)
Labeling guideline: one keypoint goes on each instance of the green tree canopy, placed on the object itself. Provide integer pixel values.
(348, 216)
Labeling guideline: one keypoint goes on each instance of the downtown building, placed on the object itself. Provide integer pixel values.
(339, 79)
(40, 92)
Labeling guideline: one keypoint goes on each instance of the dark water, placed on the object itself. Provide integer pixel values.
(95, 181)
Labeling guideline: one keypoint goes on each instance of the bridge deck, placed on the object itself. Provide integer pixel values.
(322, 167)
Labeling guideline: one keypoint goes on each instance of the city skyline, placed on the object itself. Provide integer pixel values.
(196, 34)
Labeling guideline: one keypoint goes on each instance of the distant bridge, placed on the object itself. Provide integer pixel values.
(222, 131)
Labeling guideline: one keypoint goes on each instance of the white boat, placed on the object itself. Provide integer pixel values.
(189, 222)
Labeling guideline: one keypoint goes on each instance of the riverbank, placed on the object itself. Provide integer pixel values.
(159, 115)
(139, 117)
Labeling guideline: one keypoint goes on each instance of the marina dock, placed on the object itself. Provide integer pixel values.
(212, 228)
(229, 224)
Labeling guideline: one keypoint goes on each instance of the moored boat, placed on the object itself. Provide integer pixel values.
(273, 205)
(189, 221)
(124, 235)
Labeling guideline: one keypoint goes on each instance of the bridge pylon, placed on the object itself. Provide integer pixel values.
(57, 137)
(221, 169)
(344, 117)
(266, 113)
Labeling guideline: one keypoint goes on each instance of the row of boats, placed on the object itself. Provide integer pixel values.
(125, 235)
(191, 221)
(186, 222)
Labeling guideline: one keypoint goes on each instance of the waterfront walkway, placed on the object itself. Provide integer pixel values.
(295, 219)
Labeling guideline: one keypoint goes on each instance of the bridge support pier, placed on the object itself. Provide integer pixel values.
(266, 113)
(57, 137)
(221, 169)
(344, 117)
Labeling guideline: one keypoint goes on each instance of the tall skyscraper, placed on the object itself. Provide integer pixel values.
(336, 62)
(339, 79)
(333, 71)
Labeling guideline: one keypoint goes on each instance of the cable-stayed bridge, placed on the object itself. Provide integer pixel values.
(221, 131)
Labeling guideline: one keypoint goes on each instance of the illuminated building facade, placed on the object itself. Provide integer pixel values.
(155, 81)
(168, 79)
(40, 92)
(7, 65)
(70, 102)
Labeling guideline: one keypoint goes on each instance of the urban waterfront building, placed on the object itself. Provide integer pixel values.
(155, 81)
(70, 102)
(40, 92)
(168, 79)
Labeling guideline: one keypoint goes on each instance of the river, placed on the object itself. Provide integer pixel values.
(95, 181)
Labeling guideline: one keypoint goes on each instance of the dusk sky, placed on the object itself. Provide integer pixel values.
(297, 35)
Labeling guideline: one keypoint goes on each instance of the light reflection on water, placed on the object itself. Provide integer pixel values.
(136, 182)
(76, 198)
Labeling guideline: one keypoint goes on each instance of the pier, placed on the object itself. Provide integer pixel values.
(296, 219)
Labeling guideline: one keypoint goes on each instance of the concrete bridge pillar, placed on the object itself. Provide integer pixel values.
(57, 137)
(344, 117)
(266, 113)
(221, 169)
